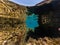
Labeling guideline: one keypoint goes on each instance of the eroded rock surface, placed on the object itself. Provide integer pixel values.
(12, 26)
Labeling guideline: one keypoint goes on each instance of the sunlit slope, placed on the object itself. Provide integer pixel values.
(12, 26)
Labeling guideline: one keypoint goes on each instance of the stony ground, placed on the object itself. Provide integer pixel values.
(44, 41)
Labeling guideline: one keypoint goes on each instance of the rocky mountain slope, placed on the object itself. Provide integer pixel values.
(13, 30)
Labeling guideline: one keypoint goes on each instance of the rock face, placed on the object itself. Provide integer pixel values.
(49, 23)
(12, 26)
(49, 18)
(50, 11)
(49, 14)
